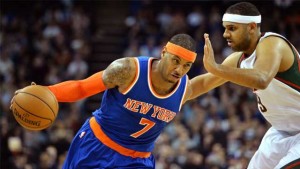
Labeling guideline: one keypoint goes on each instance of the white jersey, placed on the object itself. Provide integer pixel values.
(278, 103)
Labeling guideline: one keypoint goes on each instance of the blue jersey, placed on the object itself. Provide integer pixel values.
(135, 118)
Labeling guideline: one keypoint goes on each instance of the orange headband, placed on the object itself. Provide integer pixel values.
(181, 52)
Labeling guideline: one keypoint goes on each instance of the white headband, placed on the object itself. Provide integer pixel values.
(241, 18)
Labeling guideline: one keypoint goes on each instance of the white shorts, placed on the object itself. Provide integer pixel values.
(276, 150)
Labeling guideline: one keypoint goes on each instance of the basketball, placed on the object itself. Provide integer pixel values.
(35, 107)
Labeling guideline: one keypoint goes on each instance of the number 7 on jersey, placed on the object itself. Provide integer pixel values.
(148, 125)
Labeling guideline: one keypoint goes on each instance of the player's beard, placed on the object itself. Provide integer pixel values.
(243, 45)
(167, 78)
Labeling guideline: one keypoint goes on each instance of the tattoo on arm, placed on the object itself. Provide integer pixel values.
(118, 73)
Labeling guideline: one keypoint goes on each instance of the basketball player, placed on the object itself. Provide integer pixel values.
(270, 65)
(142, 95)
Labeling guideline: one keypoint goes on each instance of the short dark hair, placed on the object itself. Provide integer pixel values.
(243, 8)
(184, 40)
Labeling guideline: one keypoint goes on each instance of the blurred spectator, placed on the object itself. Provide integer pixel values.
(78, 68)
(52, 42)
(150, 48)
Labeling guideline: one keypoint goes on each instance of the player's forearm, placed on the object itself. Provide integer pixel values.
(71, 91)
(204, 83)
(251, 78)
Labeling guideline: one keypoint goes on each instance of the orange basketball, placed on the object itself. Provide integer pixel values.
(35, 107)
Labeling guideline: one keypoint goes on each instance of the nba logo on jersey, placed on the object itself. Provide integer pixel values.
(82, 134)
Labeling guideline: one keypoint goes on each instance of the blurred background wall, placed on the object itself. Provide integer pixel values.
(51, 41)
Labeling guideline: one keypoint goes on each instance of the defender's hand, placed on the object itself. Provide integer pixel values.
(209, 58)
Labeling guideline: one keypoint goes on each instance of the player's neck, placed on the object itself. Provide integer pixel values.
(253, 44)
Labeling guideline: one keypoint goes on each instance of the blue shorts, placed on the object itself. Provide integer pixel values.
(87, 152)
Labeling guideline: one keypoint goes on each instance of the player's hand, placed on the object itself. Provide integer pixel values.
(16, 92)
(209, 58)
(12, 100)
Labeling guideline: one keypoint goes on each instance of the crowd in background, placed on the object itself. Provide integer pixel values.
(52, 43)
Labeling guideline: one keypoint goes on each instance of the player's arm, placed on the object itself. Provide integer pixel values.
(265, 68)
(118, 74)
(203, 83)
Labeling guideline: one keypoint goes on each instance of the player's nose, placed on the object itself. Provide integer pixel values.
(179, 70)
(226, 34)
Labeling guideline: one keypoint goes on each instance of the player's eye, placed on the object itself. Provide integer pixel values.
(231, 28)
(187, 66)
(175, 61)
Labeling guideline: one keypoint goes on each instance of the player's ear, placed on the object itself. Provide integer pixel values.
(162, 54)
(252, 27)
